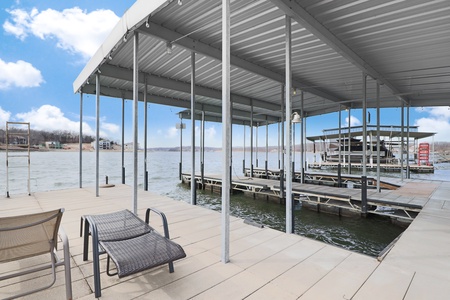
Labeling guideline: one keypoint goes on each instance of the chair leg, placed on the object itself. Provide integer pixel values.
(95, 261)
(86, 240)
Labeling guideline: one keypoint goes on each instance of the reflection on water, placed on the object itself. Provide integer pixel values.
(368, 236)
(59, 170)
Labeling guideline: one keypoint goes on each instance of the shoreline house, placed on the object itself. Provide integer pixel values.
(53, 145)
(103, 144)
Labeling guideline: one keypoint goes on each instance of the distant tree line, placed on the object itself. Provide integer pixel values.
(38, 137)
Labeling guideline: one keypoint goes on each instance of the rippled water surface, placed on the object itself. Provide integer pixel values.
(59, 170)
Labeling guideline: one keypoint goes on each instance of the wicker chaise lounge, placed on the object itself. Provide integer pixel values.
(131, 243)
(33, 235)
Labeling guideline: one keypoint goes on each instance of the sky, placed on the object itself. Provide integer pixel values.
(44, 46)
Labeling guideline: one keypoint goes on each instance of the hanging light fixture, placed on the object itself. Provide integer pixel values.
(296, 118)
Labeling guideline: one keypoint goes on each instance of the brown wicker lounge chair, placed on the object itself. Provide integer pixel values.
(32, 235)
(131, 243)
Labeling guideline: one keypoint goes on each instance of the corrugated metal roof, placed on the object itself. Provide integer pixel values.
(405, 45)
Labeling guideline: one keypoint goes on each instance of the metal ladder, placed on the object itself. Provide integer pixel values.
(21, 138)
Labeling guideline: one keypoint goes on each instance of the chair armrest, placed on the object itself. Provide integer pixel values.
(163, 217)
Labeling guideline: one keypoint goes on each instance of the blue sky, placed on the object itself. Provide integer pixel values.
(44, 46)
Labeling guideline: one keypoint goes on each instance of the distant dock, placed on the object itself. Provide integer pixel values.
(373, 167)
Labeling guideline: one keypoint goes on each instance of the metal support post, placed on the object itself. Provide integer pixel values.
(193, 181)
(123, 140)
(81, 142)
(288, 142)
(135, 119)
(145, 136)
(226, 131)
(97, 134)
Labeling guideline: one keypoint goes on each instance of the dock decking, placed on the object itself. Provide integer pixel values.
(265, 263)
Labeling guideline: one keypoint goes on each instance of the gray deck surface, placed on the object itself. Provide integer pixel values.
(265, 263)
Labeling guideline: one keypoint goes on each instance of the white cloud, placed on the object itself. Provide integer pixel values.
(73, 29)
(51, 118)
(4, 117)
(210, 133)
(171, 132)
(438, 120)
(353, 121)
(19, 74)
(110, 127)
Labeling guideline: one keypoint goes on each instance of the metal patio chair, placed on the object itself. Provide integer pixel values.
(32, 235)
(132, 244)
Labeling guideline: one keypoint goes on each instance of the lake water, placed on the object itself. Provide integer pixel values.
(59, 170)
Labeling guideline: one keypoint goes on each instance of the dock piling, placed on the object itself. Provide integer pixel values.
(364, 195)
(339, 179)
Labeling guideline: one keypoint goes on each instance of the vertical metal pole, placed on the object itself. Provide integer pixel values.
(364, 195)
(401, 139)
(135, 119)
(303, 144)
(251, 140)
(288, 160)
(257, 129)
(293, 148)
(81, 140)
(267, 147)
(181, 146)
(97, 133)
(202, 154)
(145, 136)
(226, 131)
(123, 140)
(364, 162)
(243, 163)
(193, 180)
(278, 149)
(349, 162)
(408, 175)
(340, 141)
(378, 137)
(283, 150)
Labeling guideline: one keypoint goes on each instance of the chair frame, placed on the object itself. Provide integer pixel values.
(90, 228)
(55, 261)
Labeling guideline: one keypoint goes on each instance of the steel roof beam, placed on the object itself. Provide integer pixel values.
(166, 34)
(301, 16)
(180, 86)
(128, 94)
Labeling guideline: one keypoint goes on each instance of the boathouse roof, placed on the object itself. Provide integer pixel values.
(404, 45)
(391, 131)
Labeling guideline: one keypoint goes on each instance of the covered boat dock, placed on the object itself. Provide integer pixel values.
(270, 58)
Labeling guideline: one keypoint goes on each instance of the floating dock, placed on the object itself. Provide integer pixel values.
(395, 204)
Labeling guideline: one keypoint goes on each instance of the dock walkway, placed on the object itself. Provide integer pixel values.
(264, 263)
(399, 204)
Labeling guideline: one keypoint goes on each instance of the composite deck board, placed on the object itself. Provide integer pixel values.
(264, 263)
